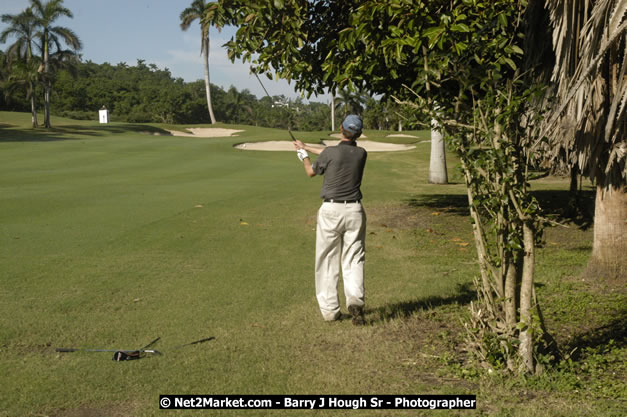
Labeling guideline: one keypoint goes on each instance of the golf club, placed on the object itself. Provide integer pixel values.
(130, 354)
(268, 94)
(194, 343)
(120, 354)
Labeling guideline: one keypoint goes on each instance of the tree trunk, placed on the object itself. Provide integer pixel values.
(526, 301)
(610, 229)
(47, 85)
(33, 109)
(574, 180)
(437, 164)
(31, 86)
(47, 88)
(511, 285)
(205, 53)
(332, 113)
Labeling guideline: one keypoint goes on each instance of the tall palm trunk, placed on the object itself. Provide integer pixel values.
(47, 105)
(47, 86)
(610, 229)
(33, 110)
(332, 112)
(205, 54)
(31, 86)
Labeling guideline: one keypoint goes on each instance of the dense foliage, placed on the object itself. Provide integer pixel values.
(146, 93)
(459, 62)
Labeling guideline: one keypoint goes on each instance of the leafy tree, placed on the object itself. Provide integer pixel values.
(350, 102)
(145, 93)
(25, 73)
(314, 116)
(207, 14)
(458, 62)
(24, 76)
(374, 114)
(299, 40)
(239, 103)
(3, 66)
(50, 42)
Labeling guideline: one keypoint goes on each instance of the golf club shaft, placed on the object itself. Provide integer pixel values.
(156, 352)
(268, 94)
(151, 343)
(144, 349)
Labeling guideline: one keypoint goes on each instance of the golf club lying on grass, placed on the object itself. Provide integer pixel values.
(268, 94)
(131, 354)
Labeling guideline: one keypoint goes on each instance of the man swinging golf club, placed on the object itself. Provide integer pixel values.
(341, 229)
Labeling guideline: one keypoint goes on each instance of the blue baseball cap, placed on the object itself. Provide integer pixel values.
(352, 123)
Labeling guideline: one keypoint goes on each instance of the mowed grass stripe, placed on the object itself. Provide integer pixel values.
(110, 240)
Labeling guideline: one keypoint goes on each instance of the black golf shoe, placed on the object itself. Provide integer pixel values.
(358, 314)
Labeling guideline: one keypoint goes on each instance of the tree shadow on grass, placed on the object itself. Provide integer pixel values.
(449, 203)
(65, 132)
(600, 337)
(565, 207)
(559, 205)
(465, 294)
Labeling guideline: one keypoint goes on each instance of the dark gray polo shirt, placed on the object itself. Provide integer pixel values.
(343, 168)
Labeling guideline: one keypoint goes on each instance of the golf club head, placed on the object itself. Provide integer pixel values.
(121, 355)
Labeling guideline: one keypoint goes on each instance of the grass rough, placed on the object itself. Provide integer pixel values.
(111, 236)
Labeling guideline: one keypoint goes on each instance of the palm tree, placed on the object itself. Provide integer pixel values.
(588, 123)
(3, 65)
(24, 75)
(50, 38)
(22, 27)
(350, 102)
(236, 101)
(207, 14)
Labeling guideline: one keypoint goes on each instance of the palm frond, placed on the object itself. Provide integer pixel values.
(68, 36)
(588, 121)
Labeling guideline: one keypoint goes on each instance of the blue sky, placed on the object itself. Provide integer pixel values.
(117, 31)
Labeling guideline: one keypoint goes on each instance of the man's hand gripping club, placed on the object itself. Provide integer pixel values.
(301, 152)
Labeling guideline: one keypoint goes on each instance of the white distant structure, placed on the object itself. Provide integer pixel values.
(104, 115)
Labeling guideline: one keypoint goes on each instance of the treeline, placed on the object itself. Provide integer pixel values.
(144, 93)
(42, 70)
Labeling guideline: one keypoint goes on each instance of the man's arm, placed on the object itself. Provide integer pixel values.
(301, 150)
(308, 168)
(317, 150)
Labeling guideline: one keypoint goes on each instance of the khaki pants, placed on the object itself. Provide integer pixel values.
(340, 243)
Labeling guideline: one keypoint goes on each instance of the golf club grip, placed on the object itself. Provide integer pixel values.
(65, 350)
(151, 343)
(202, 340)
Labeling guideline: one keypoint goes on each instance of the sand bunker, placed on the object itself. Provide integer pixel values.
(339, 135)
(206, 132)
(272, 145)
(401, 135)
(369, 146)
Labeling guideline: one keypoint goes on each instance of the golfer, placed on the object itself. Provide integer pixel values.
(341, 229)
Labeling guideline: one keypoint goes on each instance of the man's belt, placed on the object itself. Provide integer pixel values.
(332, 200)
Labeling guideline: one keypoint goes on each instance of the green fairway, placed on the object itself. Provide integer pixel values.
(111, 236)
